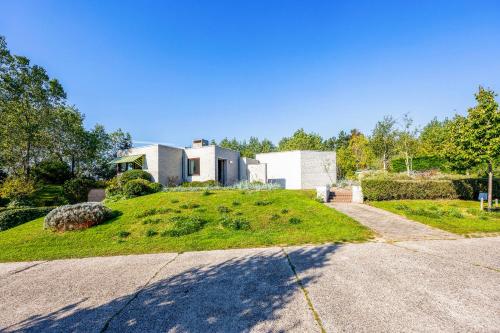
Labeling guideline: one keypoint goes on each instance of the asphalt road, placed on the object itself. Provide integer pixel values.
(420, 286)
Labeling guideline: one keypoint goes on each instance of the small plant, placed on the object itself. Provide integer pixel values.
(151, 233)
(236, 203)
(223, 209)
(262, 203)
(123, 234)
(319, 200)
(177, 211)
(154, 211)
(184, 225)
(275, 217)
(201, 209)
(174, 201)
(206, 193)
(235, 224)
(294, 220)
(455, 213)
(401, 207)
(151, 221)
(184, 206)
(238, 213)
(193, 205)
(284, 211)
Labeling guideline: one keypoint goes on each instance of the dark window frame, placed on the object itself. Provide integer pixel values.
(196, 162)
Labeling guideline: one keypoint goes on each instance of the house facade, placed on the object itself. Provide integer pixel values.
(172, 166)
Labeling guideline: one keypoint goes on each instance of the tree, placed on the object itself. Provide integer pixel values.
(357, 155)
(432, 138)
(383, 140)
(475, 139)
(300, 140)
(27, 97)
(407, 142)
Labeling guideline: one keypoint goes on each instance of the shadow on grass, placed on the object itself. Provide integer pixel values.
(237, 295)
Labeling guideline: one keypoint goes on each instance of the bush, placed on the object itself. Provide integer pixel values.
(421, 163)
(10, 218)
(235, 224)
(184, 225)
(18, 189)
(395, 189)
(137, 187)
(223, 209)
(135, 174)
(207, 183)
(77, 189)
(52, 172)
(76, 217)
(294, 220)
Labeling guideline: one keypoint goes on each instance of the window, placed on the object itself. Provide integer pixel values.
(193, 167)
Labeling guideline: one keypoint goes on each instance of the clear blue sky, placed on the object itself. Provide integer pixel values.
(170, 71)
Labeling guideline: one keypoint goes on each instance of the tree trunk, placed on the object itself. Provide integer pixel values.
(384, 161)
(407, 160)
(490, 185)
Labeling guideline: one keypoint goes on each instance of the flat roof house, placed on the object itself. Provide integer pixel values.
(172, 166)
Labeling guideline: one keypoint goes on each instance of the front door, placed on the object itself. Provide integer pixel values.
(221, 171)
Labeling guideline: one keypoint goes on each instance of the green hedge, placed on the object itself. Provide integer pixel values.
(391, 189)
(13, 217)
(421, 163)
(206, 183)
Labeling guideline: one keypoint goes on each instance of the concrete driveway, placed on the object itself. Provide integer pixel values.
(424, 286)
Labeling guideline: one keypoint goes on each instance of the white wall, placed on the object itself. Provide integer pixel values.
(232, 165)
(283, 168)
(245, 162)
(150, 161)
(170, 165)
(318, 168)
(206, 154)
(257, 172)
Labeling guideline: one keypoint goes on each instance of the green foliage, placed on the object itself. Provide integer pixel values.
(53, 171)
(223, 209)
(136, 188)
(300, 140)
(294, 220)
(432, 138)
(184, 225)
(123, 234)
(250, 149)
(383, 140)
(49, 195)
(235, 224)
(19, 189)
(421, 163)
(151, 233)
(77, 189)
(263, 203)
(394, 189)
(134, 174)
(206, 183)
(284, 211)
(10, 218)
(355, 155)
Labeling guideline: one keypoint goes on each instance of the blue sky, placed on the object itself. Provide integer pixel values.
(170, 71)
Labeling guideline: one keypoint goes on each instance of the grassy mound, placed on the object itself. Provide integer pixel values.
(186, 221)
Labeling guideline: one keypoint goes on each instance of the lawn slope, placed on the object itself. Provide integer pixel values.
(457, 216)
(278, 217)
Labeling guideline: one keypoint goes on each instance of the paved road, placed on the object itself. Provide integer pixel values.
(389, 226)
(432, 285)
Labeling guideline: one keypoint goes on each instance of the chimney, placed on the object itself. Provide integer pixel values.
(198, 143)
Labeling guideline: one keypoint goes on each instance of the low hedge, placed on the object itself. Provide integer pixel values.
(13, 217)
(391, 189)
(206, 183)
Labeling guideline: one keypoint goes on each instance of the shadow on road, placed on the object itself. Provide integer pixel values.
(236, 295)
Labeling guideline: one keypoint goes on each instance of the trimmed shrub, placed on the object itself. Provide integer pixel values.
(76, 217)
(52, 172)
(18, 189)
(421, 163)
(136, 188)
(10, 218)
(207, 183)
(134, 174)
(77, 189)
(394, 189)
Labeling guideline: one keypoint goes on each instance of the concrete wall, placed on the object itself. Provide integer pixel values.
(206, 154)
(232, 165)
(257, 172)
(245, 162)
(170, 165)
(318, 168)
(160, 161)
(283, 168)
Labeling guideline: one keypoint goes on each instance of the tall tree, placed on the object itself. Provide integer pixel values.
(408, 142)
(300, 140)
(383, 140)
(475, 139)
(432, 138)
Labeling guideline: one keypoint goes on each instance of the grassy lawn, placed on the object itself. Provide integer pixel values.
(457, 216)
(278, 217)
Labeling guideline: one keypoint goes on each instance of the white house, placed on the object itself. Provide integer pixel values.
(170, 166)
